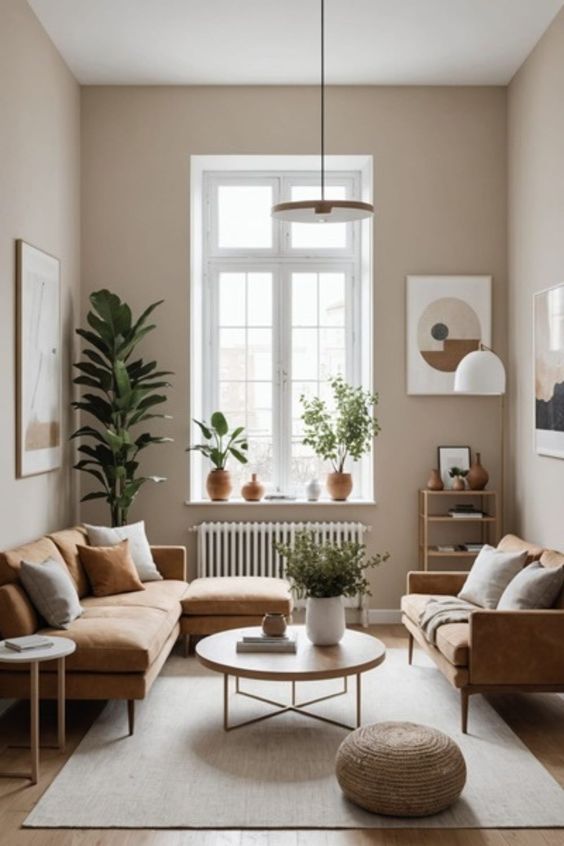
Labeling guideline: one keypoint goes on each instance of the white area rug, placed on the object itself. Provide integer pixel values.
(181, 770)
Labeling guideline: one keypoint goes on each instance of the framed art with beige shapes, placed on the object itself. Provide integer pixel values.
(549, 371)
(447, 317)
(38, 447)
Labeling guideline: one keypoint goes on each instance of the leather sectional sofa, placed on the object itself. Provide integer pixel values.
(496, 651)
(124, 640)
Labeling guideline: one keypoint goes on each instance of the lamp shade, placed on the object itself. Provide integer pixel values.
(322, 211)
(480, 372)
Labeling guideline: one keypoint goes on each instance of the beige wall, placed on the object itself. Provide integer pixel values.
(39, 202)
(440, 194)
(536, 261)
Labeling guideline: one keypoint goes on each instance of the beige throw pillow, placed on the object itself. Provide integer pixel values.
(490, 574)
(138, 546)
(534, 587)
(51, 591)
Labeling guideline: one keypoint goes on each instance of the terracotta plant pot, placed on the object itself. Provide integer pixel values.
(435, 483)
(339, 486)
(478, 477)
(274, 625)
(253, 491)
(218, 485)
(458, 484)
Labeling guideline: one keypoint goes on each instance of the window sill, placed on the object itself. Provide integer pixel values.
(286, 503)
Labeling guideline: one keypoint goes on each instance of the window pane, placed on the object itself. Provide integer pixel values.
(308, 389)
(331, 353)
(304, 299)
(319, 235)
(244, 219)
(304, 354)
(232, 402)
(259, 409)
(231, 299)
(259, 299)
(232, 354)
(304, 465)
(332, 299)
(259, 354)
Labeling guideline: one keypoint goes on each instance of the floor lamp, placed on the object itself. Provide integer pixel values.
(482, 373)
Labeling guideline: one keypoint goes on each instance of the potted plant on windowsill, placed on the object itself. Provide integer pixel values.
(221, 445)
(324, 574)
(345, 433)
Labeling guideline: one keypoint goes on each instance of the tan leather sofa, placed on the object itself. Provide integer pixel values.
(496, 651)
(124, 640)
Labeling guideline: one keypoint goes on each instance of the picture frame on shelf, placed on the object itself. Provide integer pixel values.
(549, 371)
(449, 457)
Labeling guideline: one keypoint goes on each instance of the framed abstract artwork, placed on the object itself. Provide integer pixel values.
(38, 447)
(449, 457)
(549, 371)
(447, 317)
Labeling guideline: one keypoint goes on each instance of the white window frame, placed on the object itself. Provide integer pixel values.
(209, 260)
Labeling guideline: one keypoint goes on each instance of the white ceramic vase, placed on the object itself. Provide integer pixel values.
(325, 620)
(313, 490)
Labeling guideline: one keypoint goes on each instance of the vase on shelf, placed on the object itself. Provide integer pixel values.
(434, 482)
(478, 477)
(458, 484)
(313, 490)
(253, 491)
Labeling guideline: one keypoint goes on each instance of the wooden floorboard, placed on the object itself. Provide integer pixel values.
(537, 719)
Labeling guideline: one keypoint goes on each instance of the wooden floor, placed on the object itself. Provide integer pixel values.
(537, 719)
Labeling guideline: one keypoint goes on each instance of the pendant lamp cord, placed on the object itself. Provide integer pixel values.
(322, 99)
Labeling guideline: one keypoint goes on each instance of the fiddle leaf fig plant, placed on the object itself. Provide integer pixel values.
(348, 431)
(125, 391)
(221, 443)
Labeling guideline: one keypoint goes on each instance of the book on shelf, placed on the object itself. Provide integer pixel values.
(22, 644)
(466, 515)
(473, 547)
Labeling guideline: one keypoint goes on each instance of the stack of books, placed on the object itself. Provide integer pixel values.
(473, 547)
(22, 644)
(462, 512)
(263, 643)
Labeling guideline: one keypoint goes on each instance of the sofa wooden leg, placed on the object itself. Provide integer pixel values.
(464, 699)
(187, 645)
(410, 648)
(131, 715)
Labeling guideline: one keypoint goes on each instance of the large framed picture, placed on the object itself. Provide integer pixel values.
(38, 447)
(447, 317)
(452, 456)
(549, 371)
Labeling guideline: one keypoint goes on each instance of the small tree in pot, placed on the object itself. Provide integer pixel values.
(324, 574)
(221, 445)
(346, 433)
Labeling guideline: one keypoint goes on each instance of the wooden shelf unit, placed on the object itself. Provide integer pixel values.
(429, 516)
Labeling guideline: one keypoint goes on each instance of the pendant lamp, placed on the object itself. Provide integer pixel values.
(322, 210)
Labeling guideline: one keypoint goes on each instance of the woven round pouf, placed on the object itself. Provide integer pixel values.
(400, 769)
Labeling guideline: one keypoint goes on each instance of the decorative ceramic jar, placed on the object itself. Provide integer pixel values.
(274, 625)
(434, 482)
(478, 477)
(218, 485)
(313, 490)
(339, 486)
(253, 491)
(458, 483)
(325, 620)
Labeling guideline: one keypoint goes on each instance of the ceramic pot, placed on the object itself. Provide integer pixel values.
(478, 477)
(313, 490)
(339, 486)
(325, 620)
(274, 625)
(253, 491)
(434, 482)
(458, 484)
(218, 485)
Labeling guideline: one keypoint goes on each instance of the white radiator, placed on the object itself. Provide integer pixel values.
(247, 549)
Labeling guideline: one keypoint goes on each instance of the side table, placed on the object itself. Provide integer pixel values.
(62, 646)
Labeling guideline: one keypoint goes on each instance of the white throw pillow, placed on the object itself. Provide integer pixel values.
(490, 574)
(534, 587)
(138, 546)
(52, 592)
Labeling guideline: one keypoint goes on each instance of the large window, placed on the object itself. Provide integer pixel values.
(281, 314)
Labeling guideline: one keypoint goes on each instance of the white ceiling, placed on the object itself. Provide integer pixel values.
(270, 42)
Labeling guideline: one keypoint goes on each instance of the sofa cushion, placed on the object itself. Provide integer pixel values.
(67, 542)
(52, 591)
(413, 604)
(165, 596)
(237, 595)
(138, 546)
(110, 569)
(117, 639)
(534, 587)
(453, 641)
(491, 572)
(36, 552)
(18, 617)
(512, 543)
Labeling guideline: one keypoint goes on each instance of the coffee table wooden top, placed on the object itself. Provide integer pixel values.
(356, 653)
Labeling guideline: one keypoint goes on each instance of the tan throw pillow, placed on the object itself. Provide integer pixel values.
(110, 569)
(490, 574)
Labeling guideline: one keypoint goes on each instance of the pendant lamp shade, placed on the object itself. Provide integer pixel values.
(322, 210)
(480, 372)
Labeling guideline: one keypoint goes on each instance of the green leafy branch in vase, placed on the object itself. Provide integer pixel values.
(128, 391)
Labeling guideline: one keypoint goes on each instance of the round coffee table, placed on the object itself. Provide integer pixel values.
(355, 654)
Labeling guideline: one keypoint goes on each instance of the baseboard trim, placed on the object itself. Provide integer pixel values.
(383, 616)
